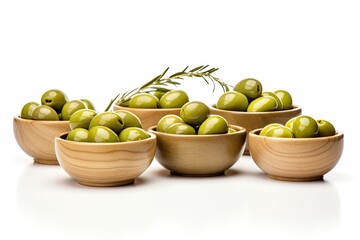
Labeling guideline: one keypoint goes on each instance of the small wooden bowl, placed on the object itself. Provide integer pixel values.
(36, 138)
(149, 116)
(105, 164)
(254, 120)
(199, 155)
(295, 159)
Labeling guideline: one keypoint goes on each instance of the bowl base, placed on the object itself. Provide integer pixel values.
(46, 161)
(197, 175)
(109, 184)
(297, 179)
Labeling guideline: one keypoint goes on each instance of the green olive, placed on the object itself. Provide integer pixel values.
(277, 99)
(250, 87)
(27, 110)
(305, 127)
(78, 135)
(159, 93)
(111, 120)
(325, 128)
(214, 124)
(280, 131)
(166, 121)
(54, 98)
(173, 99)
(70, 107)
(233, 101)
(194, 113)
(130, 119)
(231, 130)
(88, 104)
(44, 112)
(133, 134)
(102, 134)
(263, 104)
(268, 127)
(144, 100)
(181, 128)
(285, 98)
(81, 118)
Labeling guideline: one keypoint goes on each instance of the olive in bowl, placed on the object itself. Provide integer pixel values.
(295, 159)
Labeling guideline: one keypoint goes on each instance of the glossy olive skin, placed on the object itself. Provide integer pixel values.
(250, 87)
(214, 124)
(81, 118)
(109, 119)
(27, 110)
(44, 112)
(144, 100)
(173, 99)
(133, 134)
(263, 104)
(325, 128)
(277, 99)
(279, 131)
(130, 119)
(54, 98)
(181, 128)
(78, 135)
(231, 130)
(305, 127)
(166, 121)
(159, 94)
(194, 113)
(70, 107)
(232, 101)
(285, 98)
(88, 104)
(268, 127)
(102, 134)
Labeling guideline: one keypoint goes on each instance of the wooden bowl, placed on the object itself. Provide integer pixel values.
(254, 120)
(36, 138)
(105, 164)
(295, 159)
(149, 116)
(199, 155)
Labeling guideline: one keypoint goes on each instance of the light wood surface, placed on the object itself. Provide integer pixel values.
(36, 138)
(199, 155)
(105, 164)
(149, 117)
(296, 159)
(254, 120)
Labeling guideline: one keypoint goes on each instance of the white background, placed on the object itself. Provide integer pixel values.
(97, 49)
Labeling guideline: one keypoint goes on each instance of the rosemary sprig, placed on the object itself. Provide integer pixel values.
(162, 83)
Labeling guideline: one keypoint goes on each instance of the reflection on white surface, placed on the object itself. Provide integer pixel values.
(240, 202)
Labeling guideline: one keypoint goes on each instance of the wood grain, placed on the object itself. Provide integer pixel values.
(105, 164)
(254, 120)
(149, 117)
(199, 155)
(36, 138)
(296, 159)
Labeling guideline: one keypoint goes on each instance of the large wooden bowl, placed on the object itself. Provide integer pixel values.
(105, 164)
(36, 138)
(199, 155)
(295, 159)
(149, 116)
(254, 120)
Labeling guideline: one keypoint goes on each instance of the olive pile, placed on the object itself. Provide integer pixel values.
(54, 106)
(170, 99)
(248, 95)
(194, 119)
(299, 127)
(120, 126)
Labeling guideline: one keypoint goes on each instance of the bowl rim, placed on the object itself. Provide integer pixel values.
(60, 138)
(294, 109)
(18, 118)
(146, 109)
(255, 133)
(239, 130)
